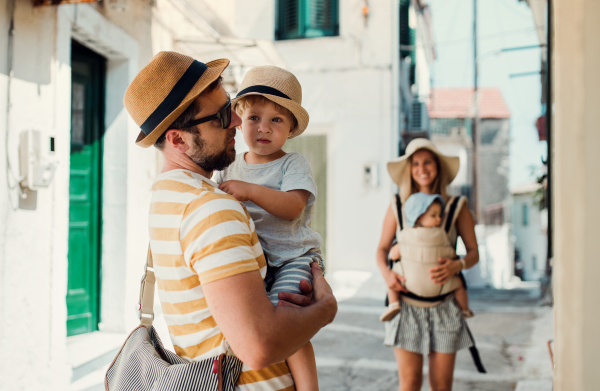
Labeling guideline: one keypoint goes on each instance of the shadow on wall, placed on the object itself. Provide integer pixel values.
(34, 42)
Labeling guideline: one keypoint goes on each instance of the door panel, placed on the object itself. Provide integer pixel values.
(87, 91)
(314, 149)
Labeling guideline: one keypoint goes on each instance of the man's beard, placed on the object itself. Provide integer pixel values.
(215, 162)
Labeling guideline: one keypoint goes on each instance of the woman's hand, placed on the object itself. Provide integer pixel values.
(242, 191)
(448, 267)
(394, 281)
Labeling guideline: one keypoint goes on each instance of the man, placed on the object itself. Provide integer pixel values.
(207, 258)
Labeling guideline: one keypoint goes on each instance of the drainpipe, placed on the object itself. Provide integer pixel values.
(549, 112)
(396, 79)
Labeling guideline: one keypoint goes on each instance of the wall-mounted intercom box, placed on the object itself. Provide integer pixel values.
(38, 158)
(370, 175)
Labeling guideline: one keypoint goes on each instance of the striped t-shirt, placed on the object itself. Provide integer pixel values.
(199, 234)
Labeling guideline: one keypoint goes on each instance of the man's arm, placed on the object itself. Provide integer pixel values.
(259, 333)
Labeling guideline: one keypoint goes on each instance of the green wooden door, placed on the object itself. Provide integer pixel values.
(87, 128)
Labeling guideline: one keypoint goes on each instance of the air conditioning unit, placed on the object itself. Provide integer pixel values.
(418, 117)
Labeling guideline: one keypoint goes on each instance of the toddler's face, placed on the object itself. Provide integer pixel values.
(265, 129)
(432, 216)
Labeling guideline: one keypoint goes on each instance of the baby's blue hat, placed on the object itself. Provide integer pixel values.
(417, 204)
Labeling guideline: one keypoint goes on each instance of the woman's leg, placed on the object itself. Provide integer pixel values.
(410, 369)
(441, 371)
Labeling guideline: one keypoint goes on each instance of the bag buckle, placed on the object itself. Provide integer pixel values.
(143, 314)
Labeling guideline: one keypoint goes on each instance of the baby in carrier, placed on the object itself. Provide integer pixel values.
(421, 245)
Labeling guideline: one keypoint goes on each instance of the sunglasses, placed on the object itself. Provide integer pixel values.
(224, 115)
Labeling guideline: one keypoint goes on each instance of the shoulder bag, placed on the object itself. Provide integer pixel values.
(143, 364)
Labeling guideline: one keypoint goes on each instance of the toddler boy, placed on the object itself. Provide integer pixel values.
(278, 190)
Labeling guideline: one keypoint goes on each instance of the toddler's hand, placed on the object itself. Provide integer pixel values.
(242, 191)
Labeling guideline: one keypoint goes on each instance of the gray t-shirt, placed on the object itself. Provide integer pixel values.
(281, 239)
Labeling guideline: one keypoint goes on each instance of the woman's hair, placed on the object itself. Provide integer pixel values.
(408, 186)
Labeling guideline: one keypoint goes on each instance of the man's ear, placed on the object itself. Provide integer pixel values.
(176, 140)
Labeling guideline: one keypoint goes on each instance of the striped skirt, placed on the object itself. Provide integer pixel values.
(440, 328)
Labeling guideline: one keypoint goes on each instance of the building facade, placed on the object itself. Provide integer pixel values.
(529, 224)
(452, 111)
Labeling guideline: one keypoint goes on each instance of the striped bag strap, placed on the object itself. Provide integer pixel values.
(146, 307)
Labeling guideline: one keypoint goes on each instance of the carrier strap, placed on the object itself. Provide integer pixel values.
(430, 299)
(475, 353)
(399, 211)
(451, 212)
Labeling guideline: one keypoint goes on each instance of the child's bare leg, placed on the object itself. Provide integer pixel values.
(304, 369)
(393, 296)
(462, 297)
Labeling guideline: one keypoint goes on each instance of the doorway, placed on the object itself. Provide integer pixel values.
(85, 189)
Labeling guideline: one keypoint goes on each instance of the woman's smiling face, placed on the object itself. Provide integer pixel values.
(423, 168)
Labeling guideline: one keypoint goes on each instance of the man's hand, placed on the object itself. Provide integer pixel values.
(242, 191)
(296, 300)
(321, 293)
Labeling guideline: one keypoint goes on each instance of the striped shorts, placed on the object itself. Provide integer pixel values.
(287, 277)
(441, 328)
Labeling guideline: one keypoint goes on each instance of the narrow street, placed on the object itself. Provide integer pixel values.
(510, 327)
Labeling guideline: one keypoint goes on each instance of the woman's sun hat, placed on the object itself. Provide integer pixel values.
(417, 204)
(162, 91)
(279, 86)
(399, 167)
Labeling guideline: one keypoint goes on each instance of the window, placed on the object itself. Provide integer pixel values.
(525, 215)
(306, 19)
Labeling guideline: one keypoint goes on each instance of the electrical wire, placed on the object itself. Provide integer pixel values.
(9, 71)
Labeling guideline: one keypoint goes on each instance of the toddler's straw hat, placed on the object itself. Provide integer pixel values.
(399, 168)
(164, 89)
(279, 86)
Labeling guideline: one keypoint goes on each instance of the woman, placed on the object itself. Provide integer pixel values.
(438, 331)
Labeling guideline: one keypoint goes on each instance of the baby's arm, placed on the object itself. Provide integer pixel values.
(304, 369)
(283, 204)
(395, 252)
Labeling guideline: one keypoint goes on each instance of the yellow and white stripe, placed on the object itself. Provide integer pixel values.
(199, 234)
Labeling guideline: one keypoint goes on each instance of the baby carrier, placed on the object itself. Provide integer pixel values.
(420, 249)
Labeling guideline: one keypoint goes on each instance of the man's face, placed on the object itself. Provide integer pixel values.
(211, 146)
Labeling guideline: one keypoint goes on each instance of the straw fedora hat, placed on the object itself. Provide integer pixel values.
(279, 86)
(398, 168)
(164, 89)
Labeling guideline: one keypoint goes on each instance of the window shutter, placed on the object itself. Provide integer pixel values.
(322, 18)
(404, 28)
(290, 20)
(307, 19)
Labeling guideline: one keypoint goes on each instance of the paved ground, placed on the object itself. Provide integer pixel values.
(510, 327)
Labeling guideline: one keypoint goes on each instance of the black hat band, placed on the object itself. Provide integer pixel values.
(183, 86)
(262, 90)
